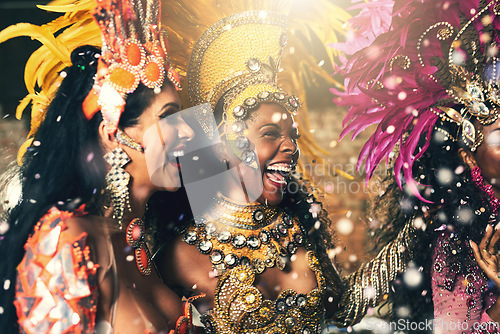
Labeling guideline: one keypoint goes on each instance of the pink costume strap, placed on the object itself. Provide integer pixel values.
(56, 288)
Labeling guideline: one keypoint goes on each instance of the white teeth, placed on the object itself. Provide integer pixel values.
(281, 167)
(178, 154)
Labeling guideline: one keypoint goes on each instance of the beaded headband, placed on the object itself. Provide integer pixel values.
(437, 60)
(134, 50)
(244, 80)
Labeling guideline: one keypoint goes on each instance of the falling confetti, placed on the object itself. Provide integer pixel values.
(345, 226)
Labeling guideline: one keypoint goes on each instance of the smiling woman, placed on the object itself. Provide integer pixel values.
(259, 250)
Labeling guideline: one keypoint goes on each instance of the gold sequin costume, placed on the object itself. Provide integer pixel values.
(238, 252)
(247, 239)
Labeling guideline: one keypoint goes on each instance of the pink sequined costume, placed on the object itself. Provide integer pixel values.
(429, 82)
(460, 297)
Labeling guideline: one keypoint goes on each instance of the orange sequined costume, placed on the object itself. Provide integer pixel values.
(56, 281)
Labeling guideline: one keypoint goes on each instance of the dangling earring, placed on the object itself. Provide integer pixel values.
(117, 181)
(226, 162)
(487, 188)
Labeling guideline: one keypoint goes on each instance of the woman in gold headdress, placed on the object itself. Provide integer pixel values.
(259, 249)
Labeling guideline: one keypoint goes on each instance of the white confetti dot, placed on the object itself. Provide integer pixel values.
(444, 176)
(345, 226)
(465, 216)
(4, 227)
(403, 312)
(412, 277)
(276, 117)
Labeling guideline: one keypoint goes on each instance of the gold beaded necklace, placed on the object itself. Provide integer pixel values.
(254, 235)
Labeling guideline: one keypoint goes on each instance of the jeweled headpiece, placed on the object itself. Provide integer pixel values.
(133, 45)
(255, 40)
(235, 48)
(134, 50)
(437, 61)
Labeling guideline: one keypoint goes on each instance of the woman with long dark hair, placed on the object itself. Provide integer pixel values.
(430, 83)
(74, 257)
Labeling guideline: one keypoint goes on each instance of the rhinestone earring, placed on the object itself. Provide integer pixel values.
(117, 180)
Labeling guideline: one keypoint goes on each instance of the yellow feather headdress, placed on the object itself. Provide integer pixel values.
(76, 27)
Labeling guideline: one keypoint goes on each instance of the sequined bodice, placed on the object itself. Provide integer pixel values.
(241, 308)
(56, 280)
(237, 256)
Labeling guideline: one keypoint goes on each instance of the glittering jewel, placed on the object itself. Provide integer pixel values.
(135, 239)
(117, 180)
(469, 133)
(255, 235)
(250, 217)
(475, 92)
(126, 140)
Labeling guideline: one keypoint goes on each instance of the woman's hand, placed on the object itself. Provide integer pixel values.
(487, 256)
(488, 259)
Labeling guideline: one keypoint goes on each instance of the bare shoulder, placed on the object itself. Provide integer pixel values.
(177, 259)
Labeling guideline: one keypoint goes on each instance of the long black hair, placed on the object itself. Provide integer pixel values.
(64, 167)
(457, 204)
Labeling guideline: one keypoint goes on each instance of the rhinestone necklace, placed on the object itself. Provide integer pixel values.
(244, 216)
(229, 245)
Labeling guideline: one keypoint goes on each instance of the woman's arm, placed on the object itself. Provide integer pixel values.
(368, 286)
(488, 259)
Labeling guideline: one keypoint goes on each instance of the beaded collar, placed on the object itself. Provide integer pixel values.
(254, 235)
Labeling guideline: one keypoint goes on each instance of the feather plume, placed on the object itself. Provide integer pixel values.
(395, 82)
(74, 28)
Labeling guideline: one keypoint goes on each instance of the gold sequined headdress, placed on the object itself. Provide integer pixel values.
(235, 49)
(254, 41)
